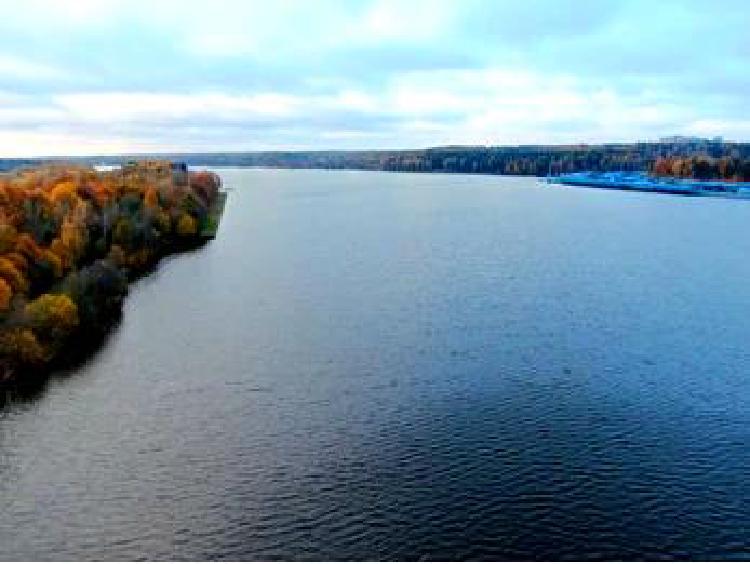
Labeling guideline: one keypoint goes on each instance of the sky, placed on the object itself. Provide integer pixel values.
(108, 76)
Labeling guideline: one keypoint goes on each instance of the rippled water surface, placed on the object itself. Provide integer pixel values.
(395, 366)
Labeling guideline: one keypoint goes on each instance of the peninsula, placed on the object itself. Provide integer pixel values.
(71, 237)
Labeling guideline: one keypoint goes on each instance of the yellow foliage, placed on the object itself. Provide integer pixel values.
(163, 222)
(53, 311)
(61, 252)
(187, 225)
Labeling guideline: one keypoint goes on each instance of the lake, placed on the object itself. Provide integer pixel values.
(369, 365)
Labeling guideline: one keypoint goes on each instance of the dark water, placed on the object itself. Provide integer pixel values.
(381, 366)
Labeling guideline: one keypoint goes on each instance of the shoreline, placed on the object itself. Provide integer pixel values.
(83, 345)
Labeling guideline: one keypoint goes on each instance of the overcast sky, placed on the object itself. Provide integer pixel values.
(100, 76)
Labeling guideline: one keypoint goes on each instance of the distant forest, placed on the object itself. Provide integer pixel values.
(696, 157)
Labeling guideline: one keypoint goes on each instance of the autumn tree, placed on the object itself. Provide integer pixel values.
(70, 237)
(6, 293)
(186, 225)
(52, 315)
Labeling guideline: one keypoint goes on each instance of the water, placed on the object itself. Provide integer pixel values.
(389, 366)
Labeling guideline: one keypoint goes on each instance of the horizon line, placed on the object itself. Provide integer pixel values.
(674, 139)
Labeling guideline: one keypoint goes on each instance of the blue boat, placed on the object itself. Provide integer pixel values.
(642, 182)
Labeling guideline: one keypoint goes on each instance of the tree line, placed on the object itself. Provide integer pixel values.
(530, 160)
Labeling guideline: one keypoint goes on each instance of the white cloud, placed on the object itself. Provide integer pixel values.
(489, 106)
(142, 106)
(24, 143)
(731, 129)
(372, 72)
(27, 70)
(80, 13)
(416, 20)
(222, 44)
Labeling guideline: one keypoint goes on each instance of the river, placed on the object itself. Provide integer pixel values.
(400, 366)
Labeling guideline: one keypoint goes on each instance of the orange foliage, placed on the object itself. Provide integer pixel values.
(151, 198)
(21, 343)
(12, 276)
(18, 261)
(6, 293)
(8, 236)
(26, 245)
(65, 190)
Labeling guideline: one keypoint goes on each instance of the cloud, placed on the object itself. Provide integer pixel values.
(343, 74)
(21, 69)
(144, 106)
(414, 21)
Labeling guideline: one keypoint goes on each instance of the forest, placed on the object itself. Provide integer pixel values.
(71, 238)
(528, 160)
(703, 167)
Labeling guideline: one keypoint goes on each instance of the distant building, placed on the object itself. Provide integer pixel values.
(682, 139)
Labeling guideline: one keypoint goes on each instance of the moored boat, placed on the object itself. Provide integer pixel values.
(644, 183)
